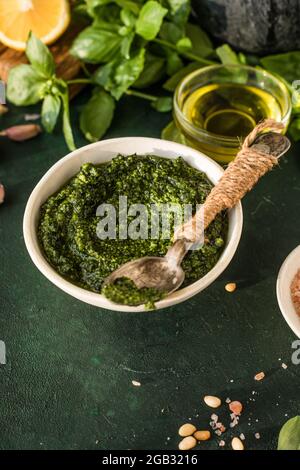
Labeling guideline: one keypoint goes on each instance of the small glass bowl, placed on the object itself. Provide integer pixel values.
(222, 148)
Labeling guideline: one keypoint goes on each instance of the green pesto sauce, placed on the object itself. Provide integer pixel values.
(125, 292)
(68, 221)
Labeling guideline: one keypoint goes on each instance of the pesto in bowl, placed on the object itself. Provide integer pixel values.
(68, 222)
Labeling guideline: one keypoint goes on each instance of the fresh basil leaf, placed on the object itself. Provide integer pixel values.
(126, 45)
(130, 5)
(25, 85)
(39, 56)
(94, 45)
(242, 58)
(163, 104)
(153, 71)
(227, 55)
(184, 45)
(289, 436)
(117, 76)
(150, 20)
(170, 32)
(173, 81)
(179, 11)
(50, 112)
(171, 132)
(174, 62)
(202, 45)
(94, 5)
(128, 18)
(67, 129)
(97, 115)
(287, 65)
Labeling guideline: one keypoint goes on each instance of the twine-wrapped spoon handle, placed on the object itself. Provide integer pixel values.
(258, 155)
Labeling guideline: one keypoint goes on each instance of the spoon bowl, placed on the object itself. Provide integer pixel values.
(155, 272)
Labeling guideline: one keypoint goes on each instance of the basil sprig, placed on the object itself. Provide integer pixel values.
(36, 81)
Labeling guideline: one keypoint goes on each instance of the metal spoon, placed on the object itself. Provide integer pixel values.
(165, 273)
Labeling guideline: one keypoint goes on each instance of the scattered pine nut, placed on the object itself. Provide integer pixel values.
(259, 376)
(187, 430)
(236, 407)
(187, 443)
(237, 444)
(213, 402)
(222, 443)
(2, 193)
(257, 435)
(136, 383)
(230, 287)
(284, 366)
(202, 435)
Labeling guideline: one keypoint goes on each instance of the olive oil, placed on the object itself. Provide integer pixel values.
(215, 107)
(230, 110)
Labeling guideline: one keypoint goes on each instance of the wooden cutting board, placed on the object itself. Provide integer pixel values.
(67, 67)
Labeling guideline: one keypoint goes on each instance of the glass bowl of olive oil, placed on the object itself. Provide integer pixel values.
(215, 107)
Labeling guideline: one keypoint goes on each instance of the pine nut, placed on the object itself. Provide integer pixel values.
(187, 443)
(136, 383)
(213, 402)
(259, 376)
(230, 287)
(187, 430)
(237, 444)
(202, 435)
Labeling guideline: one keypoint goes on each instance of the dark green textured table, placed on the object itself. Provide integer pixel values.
(67, 381)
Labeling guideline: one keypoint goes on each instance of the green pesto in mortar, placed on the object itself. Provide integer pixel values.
(68, 221)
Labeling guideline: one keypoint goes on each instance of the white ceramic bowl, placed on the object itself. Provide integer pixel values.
(287, 272)
(104, 151)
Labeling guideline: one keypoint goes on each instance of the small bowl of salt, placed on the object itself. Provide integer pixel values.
(288, 290)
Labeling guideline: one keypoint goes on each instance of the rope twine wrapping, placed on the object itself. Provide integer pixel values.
(240, 176)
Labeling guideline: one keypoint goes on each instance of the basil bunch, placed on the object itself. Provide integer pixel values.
(131, 45)
(136, 44)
